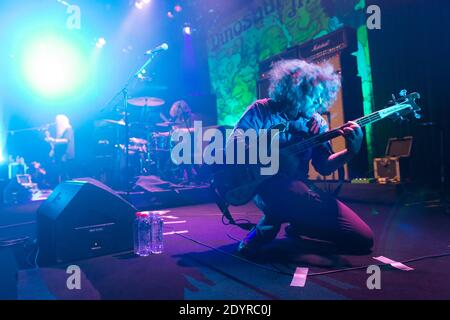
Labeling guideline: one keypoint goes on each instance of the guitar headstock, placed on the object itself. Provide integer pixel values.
(406, 104)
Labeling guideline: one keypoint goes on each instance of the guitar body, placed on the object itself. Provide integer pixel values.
(237, 184)
(51, 153)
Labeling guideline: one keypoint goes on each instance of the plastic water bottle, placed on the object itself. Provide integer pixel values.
(142, 234)
(157, 224)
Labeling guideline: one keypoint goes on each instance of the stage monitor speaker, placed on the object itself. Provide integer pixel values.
(83, 219)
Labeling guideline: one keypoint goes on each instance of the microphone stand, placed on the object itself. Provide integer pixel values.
(124, 93)
(41, 128)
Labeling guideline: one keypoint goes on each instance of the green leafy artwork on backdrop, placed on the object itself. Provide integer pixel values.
(267, 28)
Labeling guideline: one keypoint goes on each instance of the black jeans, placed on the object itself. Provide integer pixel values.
(314, 214)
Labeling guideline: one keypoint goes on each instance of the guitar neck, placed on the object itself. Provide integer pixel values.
(329, 135)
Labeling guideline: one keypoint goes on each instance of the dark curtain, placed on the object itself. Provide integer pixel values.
(412, 51)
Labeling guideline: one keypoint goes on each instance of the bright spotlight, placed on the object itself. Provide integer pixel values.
(53, 67)
(178, 8)
(187, 30)
(100, 43)
(139, 5)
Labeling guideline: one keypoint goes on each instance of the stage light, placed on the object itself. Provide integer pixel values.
(178, 8)
(170, 14)
(139, 5)
(100, 43)
(52, 66)
(187, 30)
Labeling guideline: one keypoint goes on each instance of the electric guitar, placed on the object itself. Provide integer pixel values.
(48, 137)
(237, 184)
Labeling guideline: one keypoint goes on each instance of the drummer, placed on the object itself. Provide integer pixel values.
(181, 113)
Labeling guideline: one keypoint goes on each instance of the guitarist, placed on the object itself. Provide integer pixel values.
(62, 150)
(299, 92)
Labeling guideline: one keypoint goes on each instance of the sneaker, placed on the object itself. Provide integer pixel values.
(252, 243)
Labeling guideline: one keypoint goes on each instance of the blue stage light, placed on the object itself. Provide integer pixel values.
(101, 42)
(187, 30)
(53, 67)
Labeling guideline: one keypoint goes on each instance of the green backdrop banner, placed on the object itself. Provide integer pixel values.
(268, 27)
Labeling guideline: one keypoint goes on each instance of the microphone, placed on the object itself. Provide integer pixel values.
(162, 47)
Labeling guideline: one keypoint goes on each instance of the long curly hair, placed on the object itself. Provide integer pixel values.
(179, 109)
(305, 86)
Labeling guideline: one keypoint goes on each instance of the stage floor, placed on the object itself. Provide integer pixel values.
(198, 264)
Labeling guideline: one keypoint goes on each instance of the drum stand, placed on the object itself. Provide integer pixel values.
(125, 97)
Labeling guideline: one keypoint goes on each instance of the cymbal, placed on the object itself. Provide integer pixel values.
(146, 102)
(191, 130)
(104, 122)
(168, 124)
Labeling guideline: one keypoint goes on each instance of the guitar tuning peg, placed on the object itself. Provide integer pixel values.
(403, 93)
(397, 117)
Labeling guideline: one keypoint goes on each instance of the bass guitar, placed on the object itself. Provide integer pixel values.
(237, 184)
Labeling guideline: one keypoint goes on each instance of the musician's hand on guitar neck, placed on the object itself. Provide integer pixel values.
(48, 137)
(353, 137)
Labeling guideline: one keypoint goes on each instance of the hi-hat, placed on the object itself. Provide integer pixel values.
(168, 124)
(146, 102)
(105, 122)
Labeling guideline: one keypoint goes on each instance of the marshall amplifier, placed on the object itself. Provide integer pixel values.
(265, 66)
(83, 219)
(329, 45)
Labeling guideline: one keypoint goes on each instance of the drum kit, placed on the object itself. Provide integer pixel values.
(149, 144)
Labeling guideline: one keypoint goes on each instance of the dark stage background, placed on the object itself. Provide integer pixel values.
(412, 51)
